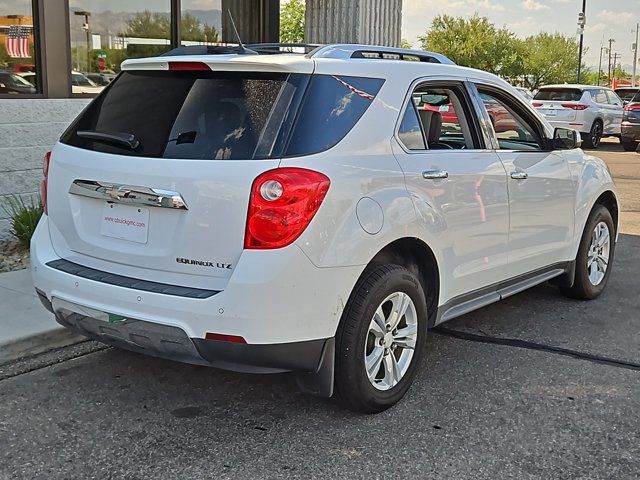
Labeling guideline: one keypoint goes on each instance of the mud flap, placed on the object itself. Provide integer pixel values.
(320, 382)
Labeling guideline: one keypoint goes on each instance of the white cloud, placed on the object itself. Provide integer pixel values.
(615, 18)
(534, 6)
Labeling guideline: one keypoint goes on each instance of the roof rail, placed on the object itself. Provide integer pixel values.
(344, 51)
(250, 48)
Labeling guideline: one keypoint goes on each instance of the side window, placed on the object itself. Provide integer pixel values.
(613, 98)
(410, 132)
(437, 116)
(599, 96)
(512, 130)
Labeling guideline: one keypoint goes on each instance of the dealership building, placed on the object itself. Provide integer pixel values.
(56, 55)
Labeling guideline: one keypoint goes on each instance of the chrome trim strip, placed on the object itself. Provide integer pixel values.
(128, 194)
(469, 302)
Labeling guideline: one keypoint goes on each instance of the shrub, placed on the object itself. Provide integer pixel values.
(24, 217)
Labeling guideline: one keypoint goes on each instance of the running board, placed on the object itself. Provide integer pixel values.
(463, 304)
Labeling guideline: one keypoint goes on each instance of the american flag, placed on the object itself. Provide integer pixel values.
(18, 41)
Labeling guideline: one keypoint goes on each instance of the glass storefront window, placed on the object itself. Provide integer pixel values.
(104, 33)
(201, 22)
(18, 64)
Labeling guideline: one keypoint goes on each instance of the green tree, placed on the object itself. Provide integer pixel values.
(193, 30)
(292, 21)
(146, 24)
(476, 43)
(550, 58)
(404, 43)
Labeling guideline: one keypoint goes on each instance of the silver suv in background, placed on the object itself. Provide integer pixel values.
(595, 112)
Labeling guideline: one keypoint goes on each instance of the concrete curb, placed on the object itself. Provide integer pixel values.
(39, 343)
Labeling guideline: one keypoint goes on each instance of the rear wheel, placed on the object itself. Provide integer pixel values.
(381, 339)
(594, 137)
(629, 145)
(595, 255)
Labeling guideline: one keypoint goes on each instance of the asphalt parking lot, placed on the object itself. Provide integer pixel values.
(478, 410)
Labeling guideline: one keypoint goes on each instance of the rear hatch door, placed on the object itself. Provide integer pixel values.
(558, 104)
(154, 177)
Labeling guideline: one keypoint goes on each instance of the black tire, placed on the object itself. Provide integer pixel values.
(594, 137)
(629, 145)
(352, 385)
(582, 288)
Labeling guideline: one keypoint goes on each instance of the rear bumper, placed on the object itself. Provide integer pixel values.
(172, 343)
(576, 125)
(631, 131)
(273, 297)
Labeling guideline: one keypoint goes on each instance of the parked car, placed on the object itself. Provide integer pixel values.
(595, 112)
(225, 233)
(24, 68)
(626, 94)
(81, 84)
(12, 83)
(526, 93)
(101, 79)
(631, 124)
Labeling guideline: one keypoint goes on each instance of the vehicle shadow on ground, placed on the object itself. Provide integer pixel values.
(607, 326)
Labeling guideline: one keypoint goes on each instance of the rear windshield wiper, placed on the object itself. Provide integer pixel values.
(128, 140)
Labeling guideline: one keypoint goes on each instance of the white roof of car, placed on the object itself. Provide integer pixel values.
(344, 59)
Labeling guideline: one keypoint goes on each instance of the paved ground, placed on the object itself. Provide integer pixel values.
(477, 411)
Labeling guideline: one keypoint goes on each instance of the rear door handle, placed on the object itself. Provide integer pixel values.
(435, 174)
(519, 175)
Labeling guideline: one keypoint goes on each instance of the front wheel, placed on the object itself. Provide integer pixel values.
(595, 256)
(629, 146)
(381, 339)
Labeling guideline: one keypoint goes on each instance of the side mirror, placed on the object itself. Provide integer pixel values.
(566, 139)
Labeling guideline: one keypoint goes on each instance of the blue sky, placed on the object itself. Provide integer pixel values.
(609, 18)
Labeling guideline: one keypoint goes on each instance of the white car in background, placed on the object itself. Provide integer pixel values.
(525, 92)
(271, 213)
(595, 112)
(80, 83)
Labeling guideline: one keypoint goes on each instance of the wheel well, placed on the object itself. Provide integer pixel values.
(417, 257)
(608, 200)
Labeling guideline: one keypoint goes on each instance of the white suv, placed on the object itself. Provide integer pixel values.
(311, 213)
(595, 112)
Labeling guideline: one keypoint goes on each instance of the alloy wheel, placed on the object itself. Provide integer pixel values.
(391, 341)
(598, 254)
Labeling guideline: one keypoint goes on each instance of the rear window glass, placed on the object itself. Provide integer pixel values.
(559, 94)
(627, 95)
(201, 115)
(330, 109)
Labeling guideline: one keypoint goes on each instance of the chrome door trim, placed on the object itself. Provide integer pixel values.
(128, 194)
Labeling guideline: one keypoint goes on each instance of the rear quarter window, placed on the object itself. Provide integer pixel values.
(331, 107)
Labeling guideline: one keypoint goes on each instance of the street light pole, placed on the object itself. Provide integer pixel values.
(635, 56)
(85, 27)
(611, 40)
(582, 20)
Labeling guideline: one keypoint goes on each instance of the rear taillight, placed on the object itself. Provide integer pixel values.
(537, 104)
(575, 106)
(45, 176)
(283, 202)
(632, 107)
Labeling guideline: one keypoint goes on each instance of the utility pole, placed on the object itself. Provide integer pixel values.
(635, 56)
(616, 56)
(600, 63)
(582, 21)
(611, 40)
